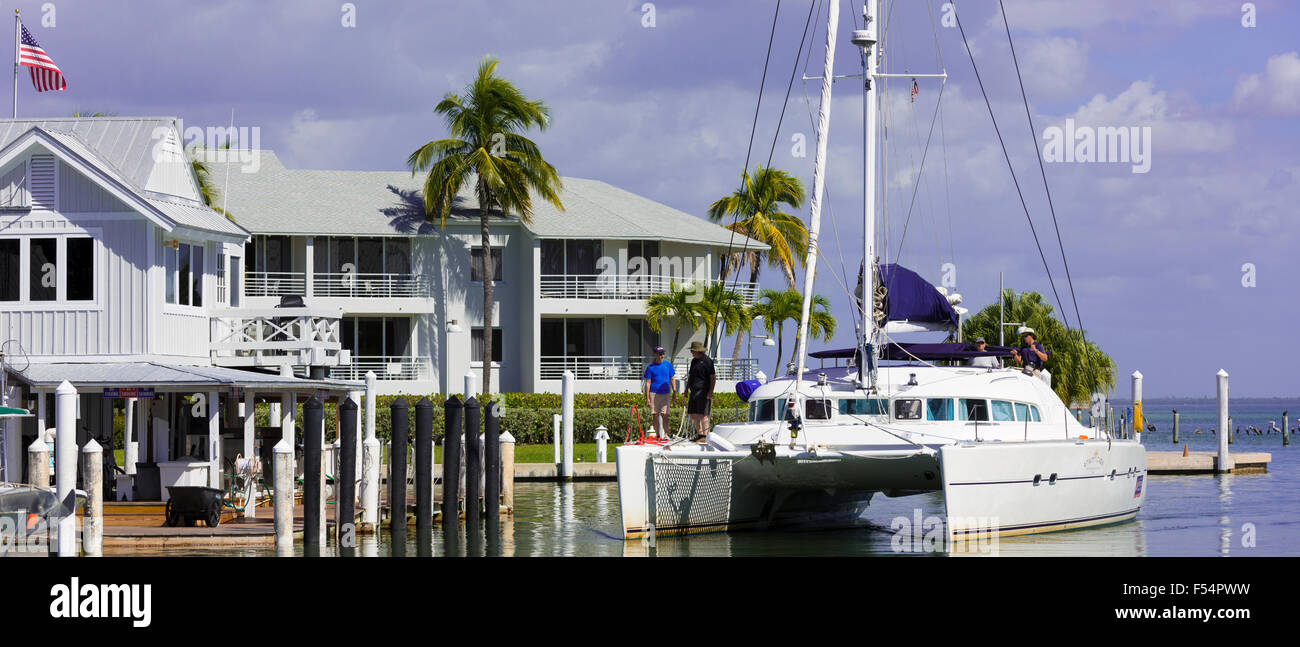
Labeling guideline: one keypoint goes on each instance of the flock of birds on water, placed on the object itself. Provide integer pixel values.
(1250, 429)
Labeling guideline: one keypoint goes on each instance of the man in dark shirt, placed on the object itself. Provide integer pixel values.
(700, 380)
(1031, 353)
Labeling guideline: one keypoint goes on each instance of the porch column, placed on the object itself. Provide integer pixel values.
(214, 440)
(141, 432)
(41, 397)
(309, 265)
(248, 410)
(130, 443)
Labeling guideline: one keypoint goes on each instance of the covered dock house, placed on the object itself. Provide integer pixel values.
(117, 278)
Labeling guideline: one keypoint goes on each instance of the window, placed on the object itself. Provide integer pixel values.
(376, 336)
(476, 345)
(938, 409)
(1033, 413)
(977, 410)
(817, 409)
(81, 269)
(184, 267)
(476, 264)
(10, 269)
(907, 409)
(1002, 411)
(1022, 411)
(641, 341)
(864, 407)
(43, 270)
(762, 410)
(221, 278)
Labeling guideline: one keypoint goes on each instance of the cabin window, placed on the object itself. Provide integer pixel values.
(762, 410)
(10, 270)
(81, 269)
(907, 409)
(43, 269)
(476, 264)
(938, 409)
(1002, 411)
(1033, 414)
(1022, 411)
(864, 407)
(817, 409)
(971, 409)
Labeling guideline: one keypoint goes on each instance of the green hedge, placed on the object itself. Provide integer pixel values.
(527, 416)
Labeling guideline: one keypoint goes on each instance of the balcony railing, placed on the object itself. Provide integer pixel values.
(619, 367)
(386, 367)
(617, 286)
(334, 284)
(273, 336)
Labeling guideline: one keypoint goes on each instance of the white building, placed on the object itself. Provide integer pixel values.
(570, 292)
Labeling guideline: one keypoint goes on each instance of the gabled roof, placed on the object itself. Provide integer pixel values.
(122, 151)
(277, 200)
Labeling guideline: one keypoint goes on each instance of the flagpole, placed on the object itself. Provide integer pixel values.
(17, 39)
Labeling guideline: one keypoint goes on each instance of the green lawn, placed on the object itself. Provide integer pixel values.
(583, 452)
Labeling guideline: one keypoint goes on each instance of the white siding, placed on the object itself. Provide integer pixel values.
(77, 193)
(13, 187)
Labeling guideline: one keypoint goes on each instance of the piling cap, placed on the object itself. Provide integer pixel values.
(1222, 373)
(92, 447)
(283, 447)
(65, 387)
(507, 437)
(1137, 374)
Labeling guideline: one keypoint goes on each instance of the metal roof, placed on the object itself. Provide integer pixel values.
(123, 149)
(276, 200)
(99, 375)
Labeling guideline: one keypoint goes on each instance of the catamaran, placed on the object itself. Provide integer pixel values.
(887, 418)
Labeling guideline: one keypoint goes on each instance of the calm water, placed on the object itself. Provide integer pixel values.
(1183, 516)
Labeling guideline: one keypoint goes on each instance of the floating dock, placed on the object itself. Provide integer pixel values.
(1205, 462)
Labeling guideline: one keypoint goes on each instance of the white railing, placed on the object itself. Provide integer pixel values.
(353, 284)
(617, 286)
(334, 284)
(386, 367)
(619, 367)
(270, 336)
(274, 284)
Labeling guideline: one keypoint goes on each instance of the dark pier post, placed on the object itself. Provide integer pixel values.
(1286, 429)
(451, 470)
(1175, 426)
(313, 428)
(400, 416)
(347, 479)
(424, 476)
(492, 476)
(1232, 436)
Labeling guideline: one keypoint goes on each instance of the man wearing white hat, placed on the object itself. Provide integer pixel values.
(1031, 353)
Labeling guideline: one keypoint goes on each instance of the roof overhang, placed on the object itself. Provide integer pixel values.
(95, 377)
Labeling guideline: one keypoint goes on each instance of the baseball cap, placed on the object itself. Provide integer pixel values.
(980, 340)
(659, 350)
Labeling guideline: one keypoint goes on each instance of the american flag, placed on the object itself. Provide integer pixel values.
(45, 74)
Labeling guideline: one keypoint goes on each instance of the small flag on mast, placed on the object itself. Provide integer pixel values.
(45, 74)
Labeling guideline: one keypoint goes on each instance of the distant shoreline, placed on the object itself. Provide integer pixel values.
(1210, 400)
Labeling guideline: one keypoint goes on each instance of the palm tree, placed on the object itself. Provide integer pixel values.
(718, 305)
(203, 176)
(678, 303)
(759, 208)
(821, 325)
(776, 307)
(486, 151)
(1079, 368)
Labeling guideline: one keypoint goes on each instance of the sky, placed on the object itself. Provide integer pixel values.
(1178, 271)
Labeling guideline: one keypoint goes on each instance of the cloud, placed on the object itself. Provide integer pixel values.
(1276, 92)
(1174, 129)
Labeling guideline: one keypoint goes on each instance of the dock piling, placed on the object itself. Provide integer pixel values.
(1175, 426)
(602, 438)
(92, 524)
(65, 466)
(283, 462)
(38, 463)
(567, 388)
(1286, 430)
(1224, 460)
(400, 416)
(508, 471)
(345, 517)
(492, 469)
(451, 465)
(424, 475)
(313, 429)
(370, 462)
(473, 464)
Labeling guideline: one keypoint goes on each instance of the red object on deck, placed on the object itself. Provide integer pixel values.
(641, 439)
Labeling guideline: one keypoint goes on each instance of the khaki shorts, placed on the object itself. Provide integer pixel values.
(659, 403)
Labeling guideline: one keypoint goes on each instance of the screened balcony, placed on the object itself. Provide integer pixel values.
(340, 266)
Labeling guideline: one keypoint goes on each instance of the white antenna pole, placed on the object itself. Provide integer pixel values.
(866, 38)
(819, 184)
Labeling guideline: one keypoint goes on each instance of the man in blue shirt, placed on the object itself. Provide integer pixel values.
(1031, 353)
(660, 384)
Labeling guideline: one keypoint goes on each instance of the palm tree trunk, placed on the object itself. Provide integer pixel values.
(484, 231)
(780, 345)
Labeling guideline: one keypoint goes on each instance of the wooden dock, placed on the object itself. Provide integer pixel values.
(1205, 462)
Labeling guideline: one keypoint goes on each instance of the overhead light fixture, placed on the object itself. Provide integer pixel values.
(769, 342)
(454, 326)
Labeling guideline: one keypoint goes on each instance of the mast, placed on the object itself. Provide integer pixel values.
(819, 185)
(866, 39)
